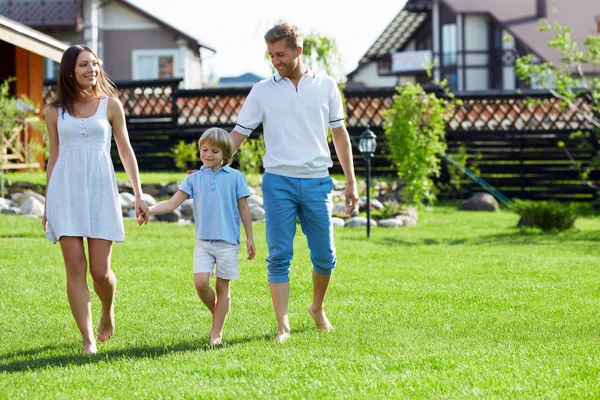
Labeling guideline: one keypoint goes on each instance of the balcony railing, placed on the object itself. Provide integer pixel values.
(44, 13)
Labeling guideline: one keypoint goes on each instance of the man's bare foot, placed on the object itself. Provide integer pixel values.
(320, 319)
(106, 327)
(89, 348)
(282, 337)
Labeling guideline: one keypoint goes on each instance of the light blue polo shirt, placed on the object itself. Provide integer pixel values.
(215, 202)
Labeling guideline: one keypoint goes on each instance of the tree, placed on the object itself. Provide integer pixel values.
(567, 81)
(415, 133)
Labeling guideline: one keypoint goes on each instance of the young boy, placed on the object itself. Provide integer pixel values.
(220, 200)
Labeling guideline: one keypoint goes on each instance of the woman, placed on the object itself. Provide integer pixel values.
(82, 199)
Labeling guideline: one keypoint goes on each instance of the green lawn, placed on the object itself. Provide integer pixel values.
(461, 306)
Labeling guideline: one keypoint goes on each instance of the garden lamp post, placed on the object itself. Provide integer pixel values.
(367, 145)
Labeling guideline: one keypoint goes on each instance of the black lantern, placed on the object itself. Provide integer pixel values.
(367, 145)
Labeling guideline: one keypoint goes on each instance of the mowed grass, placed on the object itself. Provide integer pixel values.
(461, 306)
(39, 178)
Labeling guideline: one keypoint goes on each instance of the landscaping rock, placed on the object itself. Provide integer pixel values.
(4, 205)
(32, 206)
(406, 220)
(257, 213)
(152, 189)
(480, 202)
(410, 212)
(11, 211)
(150, 201)
(20, 198)
(375, 204)
(255, 200)
(391, 223)
(187, 208)
(174, 216)
(359, 221)
(126, 200)
(124, 187)
(337, 222)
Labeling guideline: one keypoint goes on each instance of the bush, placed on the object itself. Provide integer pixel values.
(185, 155)
(546, 215)
(415, 133)
(249, 156)
(389, 210)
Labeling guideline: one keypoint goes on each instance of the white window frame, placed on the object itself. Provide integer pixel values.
(135, 65)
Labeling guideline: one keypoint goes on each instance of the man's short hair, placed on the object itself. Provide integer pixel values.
(287, 31)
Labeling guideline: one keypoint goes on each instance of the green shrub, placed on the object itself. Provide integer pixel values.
(415, 134)
(249, 156)
(546, 215)
(389, 210)
(185, 155)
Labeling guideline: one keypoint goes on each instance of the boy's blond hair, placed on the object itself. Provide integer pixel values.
(287, 31)
(221, 139)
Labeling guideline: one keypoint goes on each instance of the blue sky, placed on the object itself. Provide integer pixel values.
(235, 28)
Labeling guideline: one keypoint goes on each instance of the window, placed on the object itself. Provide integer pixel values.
(449, 44)
(51, 69)
(165, 67)
(154, 64)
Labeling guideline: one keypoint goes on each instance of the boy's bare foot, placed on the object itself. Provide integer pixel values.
(320, 319)
(89, 348)
(282, 337)
(106, 327)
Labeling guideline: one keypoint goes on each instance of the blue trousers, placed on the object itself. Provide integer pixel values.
(310, 200)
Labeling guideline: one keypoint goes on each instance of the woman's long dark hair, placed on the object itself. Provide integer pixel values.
(67, 88)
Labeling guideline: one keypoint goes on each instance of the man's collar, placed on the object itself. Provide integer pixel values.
(309, 72)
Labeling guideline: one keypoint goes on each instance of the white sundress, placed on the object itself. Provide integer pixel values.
(82, 197)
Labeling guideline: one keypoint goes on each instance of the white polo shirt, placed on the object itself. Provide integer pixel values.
(295, 123)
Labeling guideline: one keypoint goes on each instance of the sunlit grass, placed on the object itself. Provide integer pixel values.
(463, 305)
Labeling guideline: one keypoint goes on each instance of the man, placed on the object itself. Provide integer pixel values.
(296, 108)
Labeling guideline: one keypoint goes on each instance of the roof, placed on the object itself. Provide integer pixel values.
(248, 77)
(193, 42)
(396, 33)
(518, 16)
(29, 39)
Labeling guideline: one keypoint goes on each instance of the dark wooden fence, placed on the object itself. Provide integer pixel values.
(521, 148)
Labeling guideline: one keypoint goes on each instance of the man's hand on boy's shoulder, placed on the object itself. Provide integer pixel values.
(191, 171)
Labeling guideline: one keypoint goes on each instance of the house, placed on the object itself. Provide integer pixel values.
(245, 80)
(465, 39)
(22, 54)
(132, 43)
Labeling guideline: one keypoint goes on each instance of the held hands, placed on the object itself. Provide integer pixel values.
(251, 249)
(351, 198)
(143, 218)
(141, 210)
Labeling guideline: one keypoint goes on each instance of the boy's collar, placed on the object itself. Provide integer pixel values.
(225, 168)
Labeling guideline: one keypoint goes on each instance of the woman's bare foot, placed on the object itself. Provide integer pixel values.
(106, 327)
(282, 337)
(215, 340)
(89, 348)
(320, 319)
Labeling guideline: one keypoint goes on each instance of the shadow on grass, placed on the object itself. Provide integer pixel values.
(115, 355)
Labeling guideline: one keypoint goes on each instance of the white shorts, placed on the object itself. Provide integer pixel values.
(223, 255)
